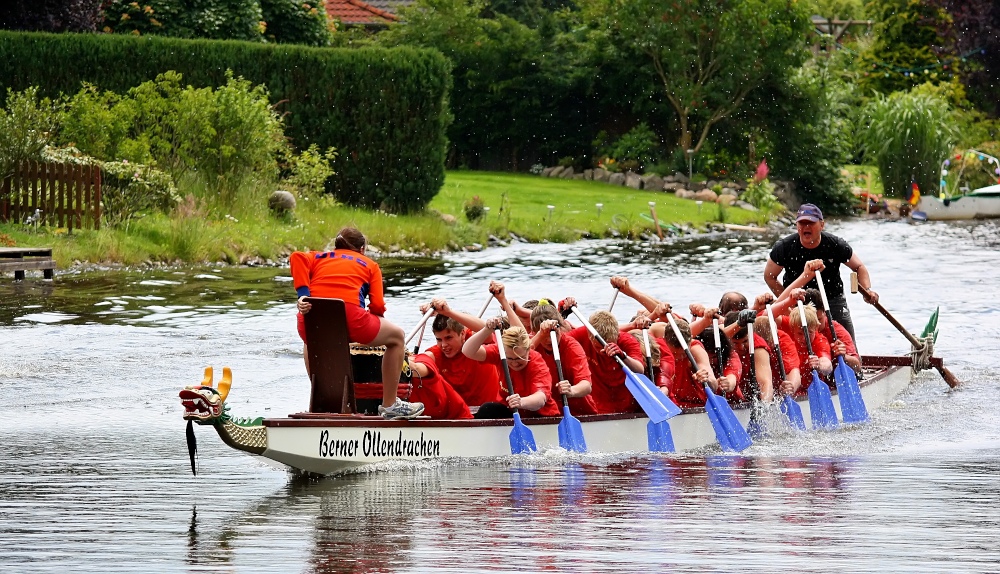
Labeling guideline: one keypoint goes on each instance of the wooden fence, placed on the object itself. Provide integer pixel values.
(61, 194)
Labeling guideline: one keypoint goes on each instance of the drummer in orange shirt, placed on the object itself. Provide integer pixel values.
(346, 273)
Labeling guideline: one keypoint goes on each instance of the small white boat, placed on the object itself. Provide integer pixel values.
(327, 443)
(982, 203)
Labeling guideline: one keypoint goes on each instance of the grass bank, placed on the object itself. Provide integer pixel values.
(518, 204)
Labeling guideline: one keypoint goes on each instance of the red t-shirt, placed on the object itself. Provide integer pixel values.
(844, 335)
(610, 393)
(664, 372)
(575, 369)
(745, 362)
(532, 378)
(476, 382)
(685, 391)
(341, 274)
(789, 356)
(441, 401)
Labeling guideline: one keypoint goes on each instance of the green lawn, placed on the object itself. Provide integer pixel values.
(575, 206)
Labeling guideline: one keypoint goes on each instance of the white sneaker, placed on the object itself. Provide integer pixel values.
(401, 410)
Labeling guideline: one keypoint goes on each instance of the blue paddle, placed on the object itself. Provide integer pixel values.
(658, 435)
(521, 439)
(728, 430)
(656, 406)
(788, 406)
(570, 429)
(852, 405)
(820, 400)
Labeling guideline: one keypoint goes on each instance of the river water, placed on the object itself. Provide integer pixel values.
(94, 474)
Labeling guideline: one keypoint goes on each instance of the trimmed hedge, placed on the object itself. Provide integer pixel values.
(385, 110)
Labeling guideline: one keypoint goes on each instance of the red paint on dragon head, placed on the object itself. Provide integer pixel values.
(203, 403)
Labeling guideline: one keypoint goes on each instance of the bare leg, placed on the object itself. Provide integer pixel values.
(392, 362)
(305, 357)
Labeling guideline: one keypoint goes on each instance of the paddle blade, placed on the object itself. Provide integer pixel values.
(852, 405)
(653, 408)
(821, 404)
(655, 404)
(521, 439)
(793, 412)
(571, 432)
(192, 444)
(728, 430)
(659, 437)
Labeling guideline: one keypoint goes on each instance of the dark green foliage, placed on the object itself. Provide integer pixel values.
(910, 44)
(296, 22)
(809, 135)
(216, 19)
(520, 93)
(50, 15)
(384, 110)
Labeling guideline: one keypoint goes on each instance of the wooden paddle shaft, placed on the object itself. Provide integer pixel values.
(913, 340)
(946, 374)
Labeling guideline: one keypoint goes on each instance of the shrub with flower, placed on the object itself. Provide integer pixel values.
(760, 192)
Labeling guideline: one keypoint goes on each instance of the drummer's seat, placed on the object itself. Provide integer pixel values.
(346, 377)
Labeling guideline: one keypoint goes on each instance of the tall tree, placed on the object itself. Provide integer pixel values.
(708, 54)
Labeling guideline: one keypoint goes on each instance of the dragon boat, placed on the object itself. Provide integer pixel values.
(340, 431)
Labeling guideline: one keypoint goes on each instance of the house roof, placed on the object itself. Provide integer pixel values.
(358, 13)
(391, 6)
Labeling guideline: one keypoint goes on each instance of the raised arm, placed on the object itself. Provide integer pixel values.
(771, 272)
(473, 347)
(622, 283)
(812, 267)
(441, 307)
(499, 293)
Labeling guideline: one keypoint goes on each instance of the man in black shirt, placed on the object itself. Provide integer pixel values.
(809, 250)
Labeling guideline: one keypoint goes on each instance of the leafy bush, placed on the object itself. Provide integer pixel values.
(223, 135)
(98, 124)
(216, 19)
(638, 146)
(26, 126)
(908, 136)
(310, 170)
(128, 189)
(473, 208)
(391, 145)
(50, 15)
(297, 22)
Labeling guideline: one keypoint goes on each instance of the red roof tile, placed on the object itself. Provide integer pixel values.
(358, 12)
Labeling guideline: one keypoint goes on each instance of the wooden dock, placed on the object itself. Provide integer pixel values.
(21, 259)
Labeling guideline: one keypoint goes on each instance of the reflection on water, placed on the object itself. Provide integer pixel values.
(94, 476)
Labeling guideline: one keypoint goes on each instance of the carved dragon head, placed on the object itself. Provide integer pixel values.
(202, 403)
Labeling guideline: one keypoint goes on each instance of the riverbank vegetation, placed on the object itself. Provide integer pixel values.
(214, 112)
(518, 204)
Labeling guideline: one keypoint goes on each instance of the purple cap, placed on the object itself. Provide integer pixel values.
(808, 212)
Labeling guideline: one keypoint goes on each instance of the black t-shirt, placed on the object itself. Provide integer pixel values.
(789, 253)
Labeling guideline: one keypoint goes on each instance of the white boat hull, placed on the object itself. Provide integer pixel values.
(327, 444)
(970, 206)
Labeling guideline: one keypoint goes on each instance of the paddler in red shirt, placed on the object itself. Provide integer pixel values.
(820, 360)
(761, 359)
(576, 386)
(687, 390)
(528, 373)
(346, 273)
(451, 329)
(610, 393)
